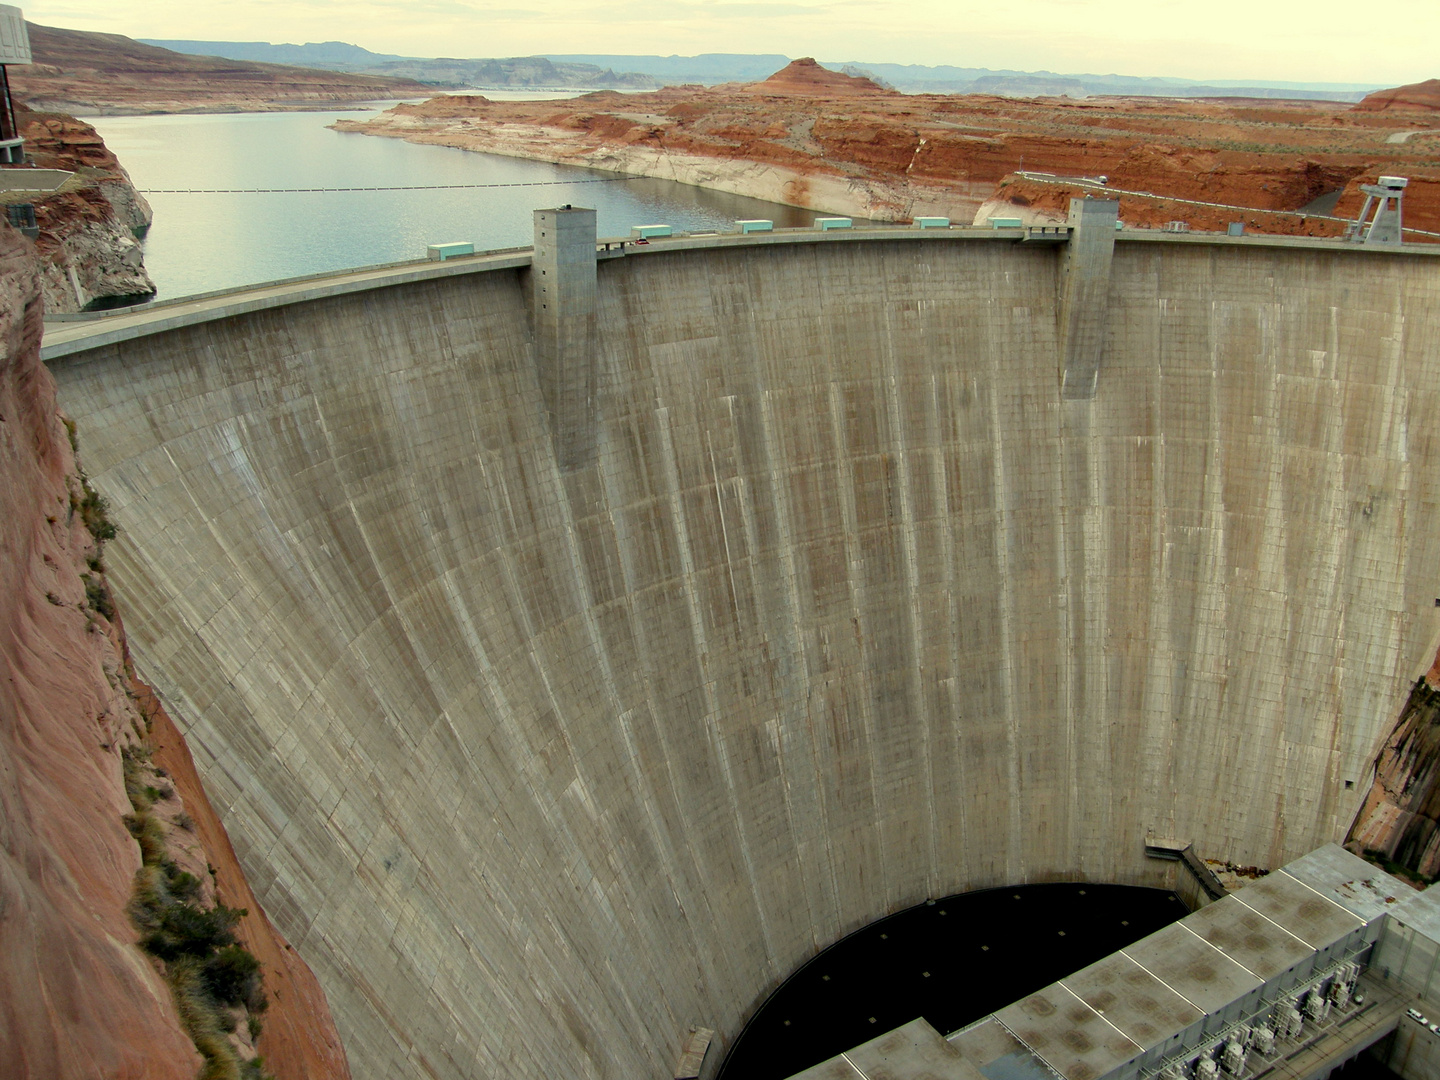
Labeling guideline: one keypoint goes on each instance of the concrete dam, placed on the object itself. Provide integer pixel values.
(546, 742)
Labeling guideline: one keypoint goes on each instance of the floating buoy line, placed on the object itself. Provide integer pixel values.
(398, 187)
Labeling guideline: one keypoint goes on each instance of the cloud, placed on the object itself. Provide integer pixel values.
(1312, 40)
(681, 11)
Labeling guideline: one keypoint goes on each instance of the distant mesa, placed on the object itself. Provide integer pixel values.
(77, 70)
(805, 76)
(1416, 97)
(1029, 86)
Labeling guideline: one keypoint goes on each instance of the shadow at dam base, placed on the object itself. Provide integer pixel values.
(1365, 1067)
(951, 961)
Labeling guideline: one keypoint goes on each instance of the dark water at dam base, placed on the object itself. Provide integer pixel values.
(951, 961)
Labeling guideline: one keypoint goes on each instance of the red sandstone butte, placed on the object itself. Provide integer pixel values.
(806, 78)
(78, 998)
(1416, 97)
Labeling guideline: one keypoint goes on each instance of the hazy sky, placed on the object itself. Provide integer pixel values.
(1317, 40)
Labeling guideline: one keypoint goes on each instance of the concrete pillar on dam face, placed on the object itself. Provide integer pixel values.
(563, 275)
(1085, 293)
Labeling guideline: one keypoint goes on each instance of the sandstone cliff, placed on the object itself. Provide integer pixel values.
(90, 228)
(1422, 97)
(78, 997)
(806, 78)
(1399, 822)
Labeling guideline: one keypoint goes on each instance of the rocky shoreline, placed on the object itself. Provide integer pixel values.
(878, 198)
(90, 229)
(833, 143)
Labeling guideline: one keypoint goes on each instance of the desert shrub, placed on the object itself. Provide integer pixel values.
(1398, 869)
(184, 886)
(179, 928)
(203, 1020)
(149, 833)
(95, 512)
(233, 976)
(209, 972)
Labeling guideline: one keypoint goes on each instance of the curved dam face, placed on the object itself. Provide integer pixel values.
(540, 767)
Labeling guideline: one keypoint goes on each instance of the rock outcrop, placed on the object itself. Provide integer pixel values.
(1416, 97)
(1400, 819)
(1036, 200)
(806, 78)
(78, 997)
(90, 229)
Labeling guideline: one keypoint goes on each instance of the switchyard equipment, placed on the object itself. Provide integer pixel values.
(1380, 221)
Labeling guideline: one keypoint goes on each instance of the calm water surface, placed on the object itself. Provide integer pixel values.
(202, 242)
(951, 961)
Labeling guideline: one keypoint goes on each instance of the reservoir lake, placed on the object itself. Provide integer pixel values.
(204, 242)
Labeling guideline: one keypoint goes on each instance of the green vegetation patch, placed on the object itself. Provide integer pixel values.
(97, 596)
(92, 507)
(211, 975)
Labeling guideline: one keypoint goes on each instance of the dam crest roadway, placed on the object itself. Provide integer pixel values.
(563, 685)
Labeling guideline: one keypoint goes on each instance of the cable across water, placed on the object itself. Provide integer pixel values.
(398, 187)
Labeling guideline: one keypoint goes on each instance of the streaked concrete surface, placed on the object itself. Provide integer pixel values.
(541, 769)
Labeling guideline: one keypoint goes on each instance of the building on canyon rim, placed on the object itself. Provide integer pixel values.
(567, 677)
